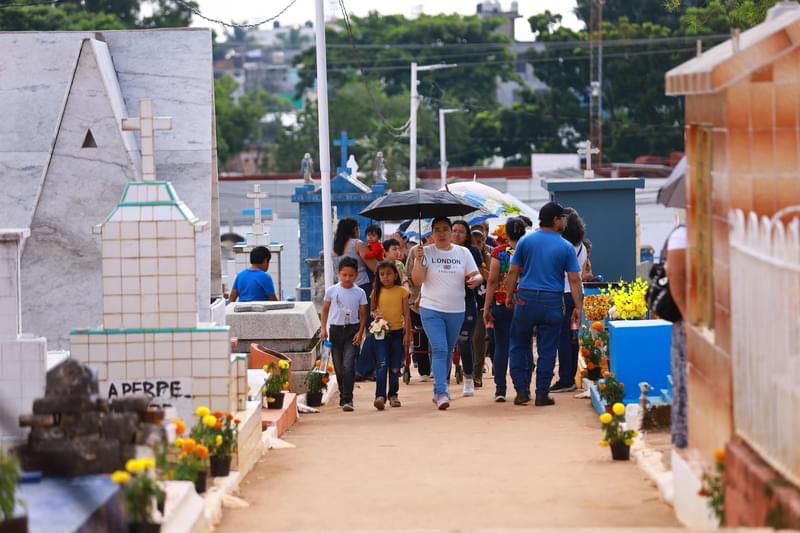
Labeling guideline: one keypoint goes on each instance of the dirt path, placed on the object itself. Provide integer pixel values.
(478, 465)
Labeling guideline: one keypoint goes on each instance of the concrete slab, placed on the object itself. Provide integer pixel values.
(283, 418)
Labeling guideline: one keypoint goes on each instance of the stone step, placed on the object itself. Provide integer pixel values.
(283, 418)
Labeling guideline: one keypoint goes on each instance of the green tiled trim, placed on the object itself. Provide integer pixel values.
(143, 204)
(144, 183)
(142, 330)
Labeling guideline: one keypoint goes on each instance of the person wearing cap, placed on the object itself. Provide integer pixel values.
(541, 260)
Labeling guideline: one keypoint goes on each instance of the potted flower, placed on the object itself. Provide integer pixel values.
(317, 381)
(378, 328)
(141, 494)
(9, 478)
(594, 348)
(219, 433)
(611, 390)
(615, 435)
(596, 307)
(276, 383)
(192, 463)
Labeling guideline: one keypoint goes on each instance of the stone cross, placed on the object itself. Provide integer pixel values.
(147, 124)
(344, 143)
(380, 168)
(259, 236)
(307, 167)
(587, 151)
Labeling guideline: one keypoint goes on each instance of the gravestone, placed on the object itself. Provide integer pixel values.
(64, 158)
(22, 357)
(349, 197)
(151, 340)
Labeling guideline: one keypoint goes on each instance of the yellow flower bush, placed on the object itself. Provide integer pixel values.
(606, 418)
(140, 488)
(618, 408)
(202, 411)
(283, 364)
(120, 477)
(613, 430)
(219, 440)
(629, 299)
(210, 420)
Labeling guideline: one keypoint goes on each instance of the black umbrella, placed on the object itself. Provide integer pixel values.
(673, 192)
(419, 203)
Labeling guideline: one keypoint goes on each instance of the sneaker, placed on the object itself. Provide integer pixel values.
(543, 401)
(558, 387)
(424, 379)
(442, 403)
(394, 402)
(478, 382)
(348, 408)
(469, 387)
(380, 402)
(522, 399)
(499, 398)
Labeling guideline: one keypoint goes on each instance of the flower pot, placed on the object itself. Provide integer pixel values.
(314, 399)
(220, 465)
(201, 483)
(620, 451)
(594, 374)
(274, 401)
(15, 525)
(143, 527)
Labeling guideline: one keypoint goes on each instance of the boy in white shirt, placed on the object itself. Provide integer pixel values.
(345, 307)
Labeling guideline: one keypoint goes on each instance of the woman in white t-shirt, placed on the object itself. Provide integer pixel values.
(441, 269)
(568, 345)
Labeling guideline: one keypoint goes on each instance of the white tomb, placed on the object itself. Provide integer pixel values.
(22, 357)
(151, 340)
(64, 158)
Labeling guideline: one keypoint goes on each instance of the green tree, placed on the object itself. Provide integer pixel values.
(71, 15)
(385, 46)
(238, 122)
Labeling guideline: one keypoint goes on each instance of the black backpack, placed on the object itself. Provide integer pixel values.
(659, 299)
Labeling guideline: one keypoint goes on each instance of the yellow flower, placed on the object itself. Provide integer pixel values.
(148, 463)
(283, 364)
(202, 411)
(120, 477)
(219, 440)
(628, 442)
(210, 420)
(134, 466)
(179, 443)
(606, 418)
(635, 434)
(618, 408)
(285, 386)
(604, 443)
(265, 368)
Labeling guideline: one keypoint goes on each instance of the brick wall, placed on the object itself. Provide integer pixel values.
(755, 494)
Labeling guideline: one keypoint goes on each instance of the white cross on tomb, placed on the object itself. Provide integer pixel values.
(259, 235)
(587, 151)
(147, 125)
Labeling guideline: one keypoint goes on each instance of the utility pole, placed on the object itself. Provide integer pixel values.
(596, 77)
(412, 163)
(324, 142)
(443, 164)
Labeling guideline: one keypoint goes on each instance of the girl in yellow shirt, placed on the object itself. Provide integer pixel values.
(390, 302)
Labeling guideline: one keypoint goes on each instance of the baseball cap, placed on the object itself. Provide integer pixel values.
(549, 211)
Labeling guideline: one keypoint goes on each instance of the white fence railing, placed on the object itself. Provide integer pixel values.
(765, 326)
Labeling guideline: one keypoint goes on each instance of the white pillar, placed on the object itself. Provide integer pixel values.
(324, 143)
(442, 148)
(412, 154)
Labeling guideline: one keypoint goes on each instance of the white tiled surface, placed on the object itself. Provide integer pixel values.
(22, 379)
(9, 289)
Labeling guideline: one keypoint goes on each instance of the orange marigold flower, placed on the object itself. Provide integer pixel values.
(188, 445)
(598, 326)
(325, 380)
(218, 425)
(598, 343)
(237, 421)
(719, 456)
(590, 366)
(201, 451)
(585, 352)
(180, 427)
(229, 417)
(218, 414)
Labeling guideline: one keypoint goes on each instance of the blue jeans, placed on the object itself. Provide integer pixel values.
(544, 311)
(567, 347)
(390, 356)
(442, 330)
(365, 364)
(465, 338)
(502, 332)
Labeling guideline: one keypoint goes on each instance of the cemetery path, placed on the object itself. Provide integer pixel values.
(478, 465)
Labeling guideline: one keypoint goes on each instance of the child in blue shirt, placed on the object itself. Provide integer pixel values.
(254, 284)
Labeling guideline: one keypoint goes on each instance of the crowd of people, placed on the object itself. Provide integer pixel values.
(455, 300)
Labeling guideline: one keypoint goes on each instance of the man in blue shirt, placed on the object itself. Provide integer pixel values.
(539, 263)
(254, 284)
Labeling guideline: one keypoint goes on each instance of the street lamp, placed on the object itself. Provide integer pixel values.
(443, 164)
(412, 171)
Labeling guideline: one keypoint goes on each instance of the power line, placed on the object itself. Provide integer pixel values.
(50, 3)
(254, 25)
